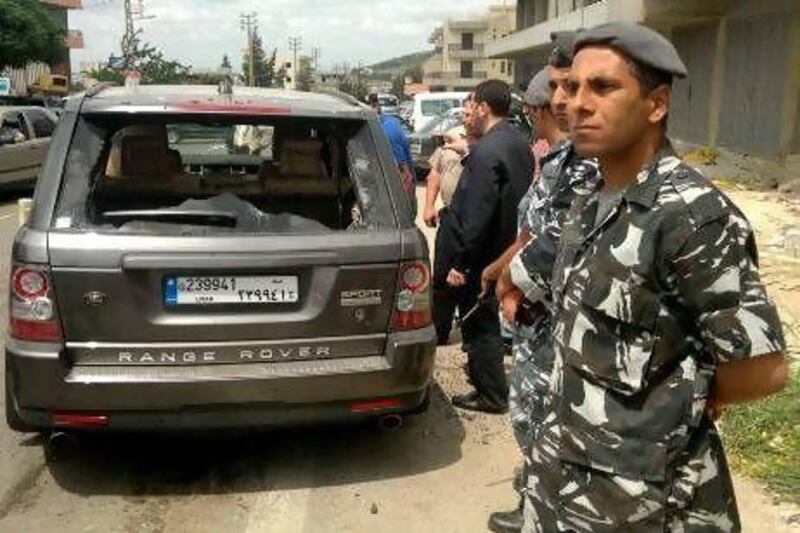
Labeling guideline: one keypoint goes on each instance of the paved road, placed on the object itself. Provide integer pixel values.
(442, 472)
(429, 476)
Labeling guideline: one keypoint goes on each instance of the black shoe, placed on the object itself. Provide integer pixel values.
(475, 402)
(506, 521)
(508, 349)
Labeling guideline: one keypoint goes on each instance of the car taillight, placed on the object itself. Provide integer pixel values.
(32, 307)
(413, 300)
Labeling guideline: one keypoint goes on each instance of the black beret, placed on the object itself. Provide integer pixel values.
(563, 45)
(638, 42)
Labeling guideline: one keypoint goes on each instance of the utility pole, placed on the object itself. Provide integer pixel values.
(295, 45)
(316, 53)
(134, 12)
(249, 22)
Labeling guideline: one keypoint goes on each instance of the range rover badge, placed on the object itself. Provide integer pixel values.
(95, 298)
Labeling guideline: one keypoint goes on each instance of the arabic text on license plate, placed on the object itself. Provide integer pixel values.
(208, 290)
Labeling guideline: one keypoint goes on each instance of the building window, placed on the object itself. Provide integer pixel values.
(502, 67)
(466, 69)
(467, 41)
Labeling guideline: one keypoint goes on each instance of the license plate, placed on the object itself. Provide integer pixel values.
(210, 290)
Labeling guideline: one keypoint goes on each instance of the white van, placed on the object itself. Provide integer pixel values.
(428, 106)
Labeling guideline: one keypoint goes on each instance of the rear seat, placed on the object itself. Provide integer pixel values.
(140, 161)
(302, 171)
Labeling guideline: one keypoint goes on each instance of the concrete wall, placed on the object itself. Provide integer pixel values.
(755, 80)
(691, 98)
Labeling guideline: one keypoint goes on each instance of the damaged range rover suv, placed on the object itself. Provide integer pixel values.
(198, 260)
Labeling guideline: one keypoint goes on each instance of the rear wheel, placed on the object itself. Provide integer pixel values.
(12, 418)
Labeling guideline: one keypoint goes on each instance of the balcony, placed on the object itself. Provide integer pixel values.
(453, 78)
(458, 50)
(468, 25)
(68, 4)
(74, 39)
(525, 41)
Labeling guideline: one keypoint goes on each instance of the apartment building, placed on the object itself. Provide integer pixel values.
(459, 61)
(21, 78)
(59, 10)
(743, 91)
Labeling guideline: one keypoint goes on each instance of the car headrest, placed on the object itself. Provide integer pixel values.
(302, 158)
(141, 151)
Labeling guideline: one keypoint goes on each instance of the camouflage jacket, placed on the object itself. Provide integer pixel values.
(649, 301)
(542, 213)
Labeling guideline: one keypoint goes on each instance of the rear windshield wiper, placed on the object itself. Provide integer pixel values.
(224, 219)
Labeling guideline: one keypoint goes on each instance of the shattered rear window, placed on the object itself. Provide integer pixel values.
(193, 175)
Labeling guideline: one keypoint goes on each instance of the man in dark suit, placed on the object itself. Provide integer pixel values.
(482, 223)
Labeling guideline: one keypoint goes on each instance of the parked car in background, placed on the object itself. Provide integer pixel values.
(424, 142)
(388, 103)
(25, 133)
(405, 110)
(196, 261)
(428, 106)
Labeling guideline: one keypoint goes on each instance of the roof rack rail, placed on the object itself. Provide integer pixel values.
(97, 88)
(344, 97)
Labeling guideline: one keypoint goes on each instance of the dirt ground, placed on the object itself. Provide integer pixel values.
(444, 471)
(772, 215)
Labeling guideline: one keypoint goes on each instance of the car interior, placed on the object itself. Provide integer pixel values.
(308, 178)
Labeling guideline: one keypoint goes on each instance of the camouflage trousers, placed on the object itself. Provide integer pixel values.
(697, 496)
(530, 381)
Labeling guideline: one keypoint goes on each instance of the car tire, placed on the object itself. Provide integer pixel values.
(12, 418)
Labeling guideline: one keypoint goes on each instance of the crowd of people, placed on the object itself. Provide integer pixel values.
(628, 282)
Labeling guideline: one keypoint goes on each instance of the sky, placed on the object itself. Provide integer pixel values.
(199, 32)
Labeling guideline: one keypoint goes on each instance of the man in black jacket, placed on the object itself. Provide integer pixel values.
(482, 223)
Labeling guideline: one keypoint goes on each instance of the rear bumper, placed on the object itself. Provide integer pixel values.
(215, 396)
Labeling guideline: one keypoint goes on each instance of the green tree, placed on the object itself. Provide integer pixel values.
(150, 63)
(305, 74)
(399, 85)
(28, 33)
(273, 76)
(415, 73)
(264, 67)
(280, 74)
(353, 84)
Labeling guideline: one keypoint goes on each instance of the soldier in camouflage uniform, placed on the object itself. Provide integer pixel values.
(542, 211)
(661, 315)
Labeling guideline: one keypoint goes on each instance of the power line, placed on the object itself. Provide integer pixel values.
(134, 12)
(249, 22)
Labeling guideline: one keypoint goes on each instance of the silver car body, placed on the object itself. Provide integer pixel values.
(20, 162)
(126, 357)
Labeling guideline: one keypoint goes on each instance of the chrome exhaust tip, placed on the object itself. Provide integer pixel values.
(390, 422)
